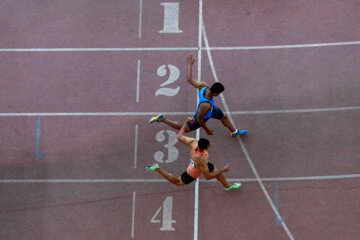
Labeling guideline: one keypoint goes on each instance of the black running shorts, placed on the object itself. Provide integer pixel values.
(186, 178)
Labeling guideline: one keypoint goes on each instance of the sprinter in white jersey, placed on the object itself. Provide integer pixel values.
(206, 108)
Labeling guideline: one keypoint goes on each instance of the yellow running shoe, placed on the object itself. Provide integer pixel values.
(158, 118)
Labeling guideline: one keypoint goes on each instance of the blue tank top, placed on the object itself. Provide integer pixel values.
(202, 99)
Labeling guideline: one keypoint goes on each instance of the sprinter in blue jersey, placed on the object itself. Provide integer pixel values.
(206, 108)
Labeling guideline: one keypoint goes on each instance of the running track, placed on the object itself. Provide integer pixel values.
(81, 79)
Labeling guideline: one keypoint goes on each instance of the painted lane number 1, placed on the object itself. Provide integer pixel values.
(167, 220)
(171, 17)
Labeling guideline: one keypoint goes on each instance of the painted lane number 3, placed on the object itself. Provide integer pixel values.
(174, 74)
(173, 152)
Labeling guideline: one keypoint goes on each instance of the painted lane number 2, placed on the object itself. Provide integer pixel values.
(167, 220)
(173, 152)
(174, 74)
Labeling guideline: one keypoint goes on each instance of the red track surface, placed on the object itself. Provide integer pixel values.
(116, 147)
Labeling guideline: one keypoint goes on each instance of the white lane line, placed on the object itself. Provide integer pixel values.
(196, 209)
(314, 110)
(256, 112)
(304, 178)
(284, 179)
(136, 145)
(92, 114)
(133, 216)
(140, 16)
(234, 48)
(98, 49)
(196, 202)
(283, 224)
(82, 180)
(310, 45)
(138, 82)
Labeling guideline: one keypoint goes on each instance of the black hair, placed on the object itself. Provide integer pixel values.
(203, 143)
(217, 88)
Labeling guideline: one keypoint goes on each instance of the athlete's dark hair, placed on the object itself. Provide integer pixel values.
(217, 88)
(203, 143)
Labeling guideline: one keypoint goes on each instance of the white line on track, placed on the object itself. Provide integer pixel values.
(314, 110)
(306, 178)
(115, 180)
(140, 17)
(234, 48)
(133, 216)
(138, 81)
(136, 145)
(98, 49)
(90, 114)
(252, 166)
(285, 111)
(310, 45)
(196, 201)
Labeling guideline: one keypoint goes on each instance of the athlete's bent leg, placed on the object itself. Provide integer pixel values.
(226, 122)
(161, 118)
(234, 132)
(225, 183)
(174, 124)
(222, 179)
(171, 178)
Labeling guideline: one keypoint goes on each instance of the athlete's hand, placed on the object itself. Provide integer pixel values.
(190, 60)
(210, 131)
(226, 168)
(189, 120)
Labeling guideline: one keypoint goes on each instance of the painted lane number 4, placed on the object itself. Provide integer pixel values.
(167, 220)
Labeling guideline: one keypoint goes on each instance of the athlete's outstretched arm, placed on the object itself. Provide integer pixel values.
(204, 107)
(196, 83)
(216, 172)
(184, 139)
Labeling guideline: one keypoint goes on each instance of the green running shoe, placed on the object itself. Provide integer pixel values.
(157, 118)
(234, 185)
(151, 167)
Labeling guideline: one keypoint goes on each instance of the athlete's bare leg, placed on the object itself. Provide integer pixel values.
(222, 179)
(226, 122)
(171, 178)
(174, 124)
